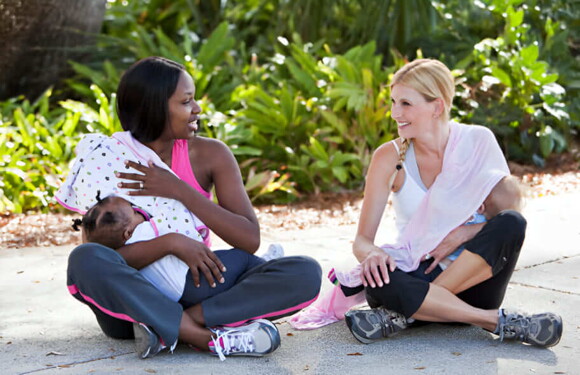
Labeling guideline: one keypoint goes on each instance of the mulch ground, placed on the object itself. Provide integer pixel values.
(26, 230)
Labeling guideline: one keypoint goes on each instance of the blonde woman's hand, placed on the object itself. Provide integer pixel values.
(375, 267)
(450, 243)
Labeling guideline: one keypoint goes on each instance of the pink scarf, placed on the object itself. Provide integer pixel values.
(472, 165)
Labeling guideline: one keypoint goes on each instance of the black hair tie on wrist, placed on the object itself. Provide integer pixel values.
(399, 166)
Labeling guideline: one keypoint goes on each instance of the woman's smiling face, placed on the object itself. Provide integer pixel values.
(183, 110)
(411, 111)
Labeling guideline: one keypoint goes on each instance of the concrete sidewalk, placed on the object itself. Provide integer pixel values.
(44, 330)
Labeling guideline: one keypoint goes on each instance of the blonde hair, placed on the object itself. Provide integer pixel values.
(430, 78)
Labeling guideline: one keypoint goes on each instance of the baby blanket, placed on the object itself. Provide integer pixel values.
(98, 158)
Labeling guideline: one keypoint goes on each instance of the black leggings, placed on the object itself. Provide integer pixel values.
(498, 243)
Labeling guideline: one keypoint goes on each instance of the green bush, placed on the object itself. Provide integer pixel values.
(37, 142)
(298, 90)
(509, 89)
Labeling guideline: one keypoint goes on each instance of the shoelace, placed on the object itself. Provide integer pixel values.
(516, 325)
(233, 340)
(387, 325)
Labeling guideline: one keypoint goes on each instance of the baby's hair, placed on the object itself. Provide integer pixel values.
(77, 223)
(102, 227)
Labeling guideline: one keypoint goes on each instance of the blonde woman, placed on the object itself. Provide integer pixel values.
(439, 173)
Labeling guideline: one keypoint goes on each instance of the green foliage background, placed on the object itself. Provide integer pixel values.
(299, 89)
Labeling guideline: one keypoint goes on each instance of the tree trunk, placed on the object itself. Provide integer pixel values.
(38, 37)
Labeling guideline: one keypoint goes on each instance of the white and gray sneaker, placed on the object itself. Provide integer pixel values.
(255, 339)
(274, 251)
(147, 343)
(542, 330)
(370, 325)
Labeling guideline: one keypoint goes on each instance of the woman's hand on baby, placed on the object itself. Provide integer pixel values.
(450, 243)
(151, 181)
(199, 258)
(375, 269)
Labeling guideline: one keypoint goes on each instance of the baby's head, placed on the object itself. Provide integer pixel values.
(110, 222)
(506, 195)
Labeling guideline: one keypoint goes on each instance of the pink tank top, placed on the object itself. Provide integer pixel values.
(181, 165)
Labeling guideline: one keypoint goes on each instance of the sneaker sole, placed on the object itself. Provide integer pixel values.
(559, 330)
(349, 324)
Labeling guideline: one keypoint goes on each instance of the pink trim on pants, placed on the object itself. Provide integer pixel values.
(275, 313)
(74, 290)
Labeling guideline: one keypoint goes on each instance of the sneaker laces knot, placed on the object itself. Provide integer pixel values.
(232, 341)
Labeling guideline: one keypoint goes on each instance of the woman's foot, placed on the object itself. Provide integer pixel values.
(543, 329)
(255, 339)
(368, 326)
(147, 343)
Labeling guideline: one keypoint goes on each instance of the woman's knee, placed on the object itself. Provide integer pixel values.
(85, 258)
(404, 293)
(511, 221)
(307, 273)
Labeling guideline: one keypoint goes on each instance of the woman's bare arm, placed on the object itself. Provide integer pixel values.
(195, 254)
(377, 189)
(233, 219)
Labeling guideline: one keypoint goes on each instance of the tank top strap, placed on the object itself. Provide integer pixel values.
(394, 142)
(181, 165)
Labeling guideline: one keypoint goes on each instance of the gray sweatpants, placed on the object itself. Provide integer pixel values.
(119, 295)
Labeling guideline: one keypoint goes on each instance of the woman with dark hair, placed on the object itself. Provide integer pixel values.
(157, 108)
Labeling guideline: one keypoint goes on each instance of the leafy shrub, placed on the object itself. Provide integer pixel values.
(510, 90)
(38, 141)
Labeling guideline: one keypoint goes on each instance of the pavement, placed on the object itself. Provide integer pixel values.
(44, 330)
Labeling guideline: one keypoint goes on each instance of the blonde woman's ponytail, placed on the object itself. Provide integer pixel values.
(403, 152)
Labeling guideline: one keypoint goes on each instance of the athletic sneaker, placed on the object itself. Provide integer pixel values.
(274, 251)
(543, 329)
(147, 343)
(254, 339)
(368, 326)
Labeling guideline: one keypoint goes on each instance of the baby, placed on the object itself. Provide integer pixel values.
(115, 222)
(506, 194)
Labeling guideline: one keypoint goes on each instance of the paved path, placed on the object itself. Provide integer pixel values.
(43, 330)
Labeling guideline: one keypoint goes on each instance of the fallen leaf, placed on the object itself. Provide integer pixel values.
(9, 342)
(289, 334)
(419, 368)
(20, 272)
(355, 353)
(54, 353)
(151, 371)
(456, 353)
(63, 366)
(306, 368)
(559, 372)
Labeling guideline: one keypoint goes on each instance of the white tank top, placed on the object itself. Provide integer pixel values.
(407, 199)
